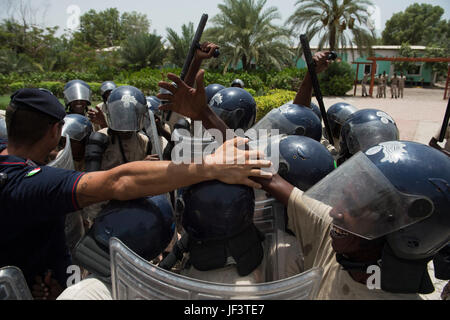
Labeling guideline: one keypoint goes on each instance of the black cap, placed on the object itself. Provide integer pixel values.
(39, 100)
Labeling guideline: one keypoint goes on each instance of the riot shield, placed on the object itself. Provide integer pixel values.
(135, 279)
(13, 285)
(151, 130)
(64, 160)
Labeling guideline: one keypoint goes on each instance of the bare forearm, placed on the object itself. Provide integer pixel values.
(192, 72)
(279, 188)
(304, 93)
(138, 179)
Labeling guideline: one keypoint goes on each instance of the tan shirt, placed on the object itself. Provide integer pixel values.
(135, 149)
(394, 82)
(310, 221)
(102, 107)
(401, 81)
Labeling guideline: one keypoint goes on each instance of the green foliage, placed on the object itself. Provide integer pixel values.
(337, 80)
(338, 23)
(245, 32)
(142, 50)
(288, 79)
(419, 24)
(180, 44)
(274, 99)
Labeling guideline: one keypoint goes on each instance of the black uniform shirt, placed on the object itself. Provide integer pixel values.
(33, 203)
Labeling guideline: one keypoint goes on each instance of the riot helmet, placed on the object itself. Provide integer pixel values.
(398, 191)
(153, 104)
(238, 83)
(77, 90)
(106, 88)
(219, 221)
(77, 127)
(292, 119)
(337, 114)
(3, 131)
(364, 129)
(126, 109)
(316, 110)
(303, 161)
(145, 225)
(236, 107)
(211, 90)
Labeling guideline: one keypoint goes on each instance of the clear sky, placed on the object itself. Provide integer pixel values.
(174, 13)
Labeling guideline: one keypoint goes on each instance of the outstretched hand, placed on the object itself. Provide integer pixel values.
(233, 164)
(184, 99)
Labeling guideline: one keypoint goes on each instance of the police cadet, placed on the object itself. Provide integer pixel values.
(401, 85)
(394, 86)
(384, 79)
(387, 216)
(125, 113)
(337, 114)
(379, 81)
(364, 129)
(211, 90)
(98, 116)
(35, 198)
(77, 96)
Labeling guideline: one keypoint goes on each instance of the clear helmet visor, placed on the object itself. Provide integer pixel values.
(125, 116)
(232, 118)
(75, 129)
(276, 119)
(362, 201)
(77, 91)
(365, 136)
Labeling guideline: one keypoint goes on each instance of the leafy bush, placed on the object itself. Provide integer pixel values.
(16, 86)
(275, 98)
(56, 87)
(337, 80)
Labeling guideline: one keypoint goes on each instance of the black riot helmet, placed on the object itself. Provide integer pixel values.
(337, 114)
(211, 90)
(236, 107)
(303, 161)
(364, 129)
(316, 110)
(219, 221)
(238, 83)
(292, 119)
(126, 109)
(145, 225)
(399, 192)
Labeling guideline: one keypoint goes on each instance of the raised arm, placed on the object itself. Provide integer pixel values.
(304, 93)
(205, 52)
(139, 179)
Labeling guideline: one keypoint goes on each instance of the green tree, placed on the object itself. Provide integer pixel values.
(419, 24)
(180, 44)
(407, 52)
(335, 22)
(142, 50)
(108, 28)
(245, 32)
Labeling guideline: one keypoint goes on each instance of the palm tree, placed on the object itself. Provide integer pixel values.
(244, 31)
(335, 22)
(142, 50)
(180, 44)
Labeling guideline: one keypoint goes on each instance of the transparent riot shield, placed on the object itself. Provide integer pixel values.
(135, 279)
(64, 160)
(13, 285)
(151, 130)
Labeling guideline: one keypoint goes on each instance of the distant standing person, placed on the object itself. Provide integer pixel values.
(363, 84)
(401, 85)
(394, 86)
(379, 85)
(384, 83)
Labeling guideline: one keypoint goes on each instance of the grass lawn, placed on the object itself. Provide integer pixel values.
(4, 101)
